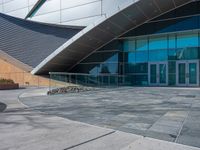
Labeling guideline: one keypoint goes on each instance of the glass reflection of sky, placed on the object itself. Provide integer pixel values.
(111, 64)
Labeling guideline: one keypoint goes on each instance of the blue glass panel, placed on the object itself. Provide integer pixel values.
(187, 40)
(156, 43)
(188, 53)
(129, 45)
(109, 68)
(141, 68)
(172, 54)
(141, 56)
(114, 58)
(171, 25)
(136, 80)
(172, 42)
(102, 57)
(172, 79)
(172, 67)
(141, 44)
(158, 55)
(87, 68)
(131, 57)
(140, 80)
(129, 68)
(187, 23)
(94, 70)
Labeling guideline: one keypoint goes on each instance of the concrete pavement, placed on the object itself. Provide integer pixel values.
(165, 113)
(23, 128)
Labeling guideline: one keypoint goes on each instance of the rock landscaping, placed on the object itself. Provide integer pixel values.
(69, 89)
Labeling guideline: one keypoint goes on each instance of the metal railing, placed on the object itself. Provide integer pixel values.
(102, 80)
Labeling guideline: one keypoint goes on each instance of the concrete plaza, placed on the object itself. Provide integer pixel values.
(170, 114)
(100, 117)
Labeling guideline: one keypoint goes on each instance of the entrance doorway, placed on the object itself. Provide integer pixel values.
(187, 73)
(158, 74)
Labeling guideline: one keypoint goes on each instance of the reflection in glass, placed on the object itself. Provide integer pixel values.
(111, 68)
(162, 73)
(129, 45)
(158, 43)
(187, 53)
(141, 44)
(141, 56)
(153, 74)
(158, 55)
(131, 57)
(172, 79)
(172, 41)
(182, 73)
(192, 73)
(187, 40)
(172, 67)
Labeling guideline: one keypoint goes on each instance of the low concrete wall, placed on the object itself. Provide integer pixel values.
(25, 78)
(20, 76)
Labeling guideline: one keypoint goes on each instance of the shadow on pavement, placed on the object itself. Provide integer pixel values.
(2, 107)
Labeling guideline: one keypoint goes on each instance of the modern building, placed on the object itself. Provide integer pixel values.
(115, 42)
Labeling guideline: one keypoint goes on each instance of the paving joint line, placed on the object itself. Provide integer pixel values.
(90, 140)
(179, 133)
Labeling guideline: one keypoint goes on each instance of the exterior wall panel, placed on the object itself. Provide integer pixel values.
(53, 17)
(68, 12)
(1, 7)
(82, 21)
(73, 3)
(84, 11)
(15, 5)
(21, 13)
(32, 2)
(49, 7)
(111, 6)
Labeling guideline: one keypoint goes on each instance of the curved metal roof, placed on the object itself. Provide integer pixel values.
(31, 42)
(103, 31)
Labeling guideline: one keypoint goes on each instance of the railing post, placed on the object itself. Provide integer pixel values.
(109, 79)
(49, 81)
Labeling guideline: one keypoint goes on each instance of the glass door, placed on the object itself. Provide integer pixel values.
(181, 73)
(158, 74)
(193, 73)
(187, 73)
(163, 74)
(153, 74)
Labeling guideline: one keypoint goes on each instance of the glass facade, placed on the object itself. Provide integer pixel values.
(169, 47)
(151, 52)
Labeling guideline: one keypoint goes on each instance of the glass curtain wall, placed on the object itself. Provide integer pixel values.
(140, 51)
(172, 37)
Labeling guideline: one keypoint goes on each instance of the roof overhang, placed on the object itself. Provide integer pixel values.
(108, 28)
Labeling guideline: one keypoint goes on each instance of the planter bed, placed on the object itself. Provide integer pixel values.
(9, 86)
